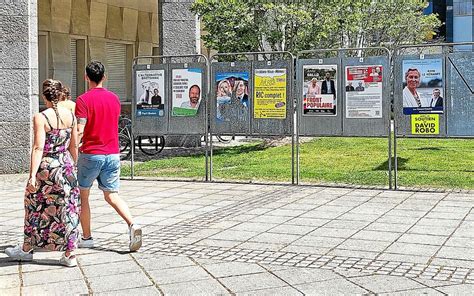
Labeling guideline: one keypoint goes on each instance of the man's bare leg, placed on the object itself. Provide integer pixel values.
(119, 205)
(85, 213)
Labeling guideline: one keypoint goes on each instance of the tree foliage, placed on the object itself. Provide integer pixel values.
(256, 25)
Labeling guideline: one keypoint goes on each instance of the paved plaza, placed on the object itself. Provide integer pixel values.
(243, 239)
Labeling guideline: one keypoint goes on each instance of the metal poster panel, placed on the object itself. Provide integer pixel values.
(319, 90)
(150, 88)
(186, 93)
(423, 86)
(232, 100)
(270, 94)
(364, 91)
(460, 99)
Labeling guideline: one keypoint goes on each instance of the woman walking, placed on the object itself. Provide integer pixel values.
(52, 203)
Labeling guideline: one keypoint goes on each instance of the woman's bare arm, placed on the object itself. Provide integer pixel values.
(74, 144)
(38, 145)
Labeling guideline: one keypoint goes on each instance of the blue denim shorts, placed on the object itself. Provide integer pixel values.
(104, 168)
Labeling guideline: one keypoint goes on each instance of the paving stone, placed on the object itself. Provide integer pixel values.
(275, 238)
(246, 283)
(385, 283)
(102, 257)
(96, 270)
(282, 291)
(422, 291)
(198, 287)
(73, 287)
(295, 276)
(44, 277)
(11, 291)
(145, 291)
(331, 287)
(465, 289)
(9, 281)
(119, 282)
(178, 275)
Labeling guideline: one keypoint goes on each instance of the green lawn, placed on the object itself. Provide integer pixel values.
(437, 163)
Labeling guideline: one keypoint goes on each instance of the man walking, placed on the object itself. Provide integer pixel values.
(97, 113)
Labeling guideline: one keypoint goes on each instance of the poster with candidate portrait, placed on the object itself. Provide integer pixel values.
(150, 88)
(186, 94)
(319, 90)
(423, 86)
(364, 91)
(232, 96)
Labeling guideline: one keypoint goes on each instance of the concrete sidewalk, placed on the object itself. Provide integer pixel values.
(221, 239)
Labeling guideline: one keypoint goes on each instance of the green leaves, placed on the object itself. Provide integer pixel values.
(255, 25)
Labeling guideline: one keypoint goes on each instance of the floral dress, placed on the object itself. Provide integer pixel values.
(52, 212)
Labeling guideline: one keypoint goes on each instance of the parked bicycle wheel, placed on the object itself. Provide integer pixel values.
(125, 146)
(151, 145)
(225, 139)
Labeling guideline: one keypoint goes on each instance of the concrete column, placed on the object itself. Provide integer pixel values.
(178, 31)
(18, 82)
(178, 36)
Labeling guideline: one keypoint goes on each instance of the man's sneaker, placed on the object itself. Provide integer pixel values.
(70, 261)
(85, 243)
(135, 237)
(17, 253)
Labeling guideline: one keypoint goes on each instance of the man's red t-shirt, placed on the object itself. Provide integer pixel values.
(101, 108)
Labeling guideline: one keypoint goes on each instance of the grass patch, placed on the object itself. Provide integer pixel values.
(440, 163)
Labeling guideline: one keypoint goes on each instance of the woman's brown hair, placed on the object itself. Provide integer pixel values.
(54, 91)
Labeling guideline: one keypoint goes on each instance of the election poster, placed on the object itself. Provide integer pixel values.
(150, 88)
(232, 96)
(270, 94)
(423, 86)
(186, 94)
(319, 90)
(364, 91)
(425, 124)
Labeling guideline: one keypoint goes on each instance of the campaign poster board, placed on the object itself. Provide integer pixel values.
(425, 124)
(423, 91)
(319, 90)
(150, 89)
(364, 91)
(270, 94)
(232, 96)
(186, 91)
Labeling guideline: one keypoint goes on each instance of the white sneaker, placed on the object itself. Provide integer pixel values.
(135, 233)
(85, 243)
(17, 253)
(70, 261)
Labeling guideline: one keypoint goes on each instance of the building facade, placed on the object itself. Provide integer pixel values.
(42, 39)
(457, 17)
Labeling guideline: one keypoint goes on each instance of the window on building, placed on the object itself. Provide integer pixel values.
(74, 67)
(78, 62)
(463, 7)
(117, 69)
(43, 68)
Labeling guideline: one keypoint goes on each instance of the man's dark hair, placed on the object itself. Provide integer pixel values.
(195, 86)
(95, 71)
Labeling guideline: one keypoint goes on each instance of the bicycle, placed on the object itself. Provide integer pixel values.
(149, 145)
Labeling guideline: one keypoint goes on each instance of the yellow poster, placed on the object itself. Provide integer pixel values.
(425, 124)
(270, 93)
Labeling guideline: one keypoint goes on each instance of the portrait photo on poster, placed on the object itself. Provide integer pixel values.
(150, 87)
(363, 86)
(232, 96)
(319, 90)
(187, 91)
(423, 91)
